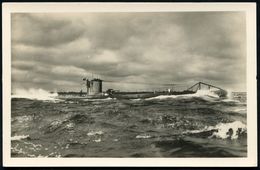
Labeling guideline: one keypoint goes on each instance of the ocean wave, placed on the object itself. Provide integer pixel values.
(136, 99)
(143, 136)
(205, 94)
(240, 110)
(96, 135)
(23, 119)
(35, 94)
(16, 150)
(19, 137)
(105, 125)
(80, 118)
(70, 126)
(236, 110)
(108, 98)
(68, 123)
(53, 126)
(231, 130)
(230, 100)
(93, 133)
(97, 140)
(163, 97)
(26, 151)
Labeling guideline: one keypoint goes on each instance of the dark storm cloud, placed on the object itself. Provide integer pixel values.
(43, 31)
(55, 51)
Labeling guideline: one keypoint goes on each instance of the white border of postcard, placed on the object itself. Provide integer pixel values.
(249, 8)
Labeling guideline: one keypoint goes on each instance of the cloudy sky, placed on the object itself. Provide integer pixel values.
(55, 51)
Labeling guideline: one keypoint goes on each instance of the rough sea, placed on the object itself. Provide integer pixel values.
(197, 125)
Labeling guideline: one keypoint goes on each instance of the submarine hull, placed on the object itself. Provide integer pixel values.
(144, 95)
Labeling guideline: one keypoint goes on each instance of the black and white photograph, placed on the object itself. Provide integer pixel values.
(130, 84)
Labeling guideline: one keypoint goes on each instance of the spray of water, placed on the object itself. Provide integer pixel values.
(230, 130)
(199, 93)
(203, 93)
(36, 94)
(226, 130)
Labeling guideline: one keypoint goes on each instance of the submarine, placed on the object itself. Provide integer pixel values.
(94, 91)
(148, 94)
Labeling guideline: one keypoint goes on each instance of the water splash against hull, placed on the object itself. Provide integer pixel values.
(207, 94)
(34, 94)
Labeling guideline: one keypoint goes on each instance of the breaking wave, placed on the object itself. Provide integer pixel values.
(36, 94)
(163, 97)
(201, 93)
(93, 133)
(144, 136)
(207, 94)
(231, 130)
(19, 137)
(230, 100)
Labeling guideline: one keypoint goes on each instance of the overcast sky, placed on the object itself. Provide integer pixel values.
(55, 51)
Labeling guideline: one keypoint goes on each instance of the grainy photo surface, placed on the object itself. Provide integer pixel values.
(126, 84)
(133, 84)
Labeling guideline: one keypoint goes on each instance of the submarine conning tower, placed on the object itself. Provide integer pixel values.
(94, 86)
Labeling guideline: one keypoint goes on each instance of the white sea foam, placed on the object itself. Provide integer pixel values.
(15, 149)
(231, 97)
(200, 93)
(163, 97)
(136, 99)
(229, 94)
(97, 140)
(23, 119)
(19, 137)
(37, 94)
(70, 125)
(34, 147)
(108, 98)
(223, 130)
(143, 136)
(92, 133)
(239, 110)
(230, 100)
